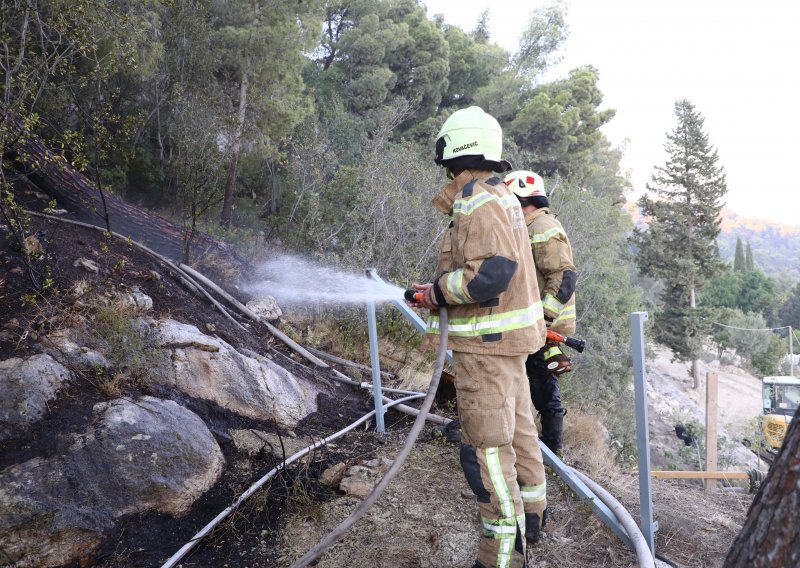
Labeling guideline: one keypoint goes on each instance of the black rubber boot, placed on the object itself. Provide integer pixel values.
(533, 531)
(553, 430)
(450, 431)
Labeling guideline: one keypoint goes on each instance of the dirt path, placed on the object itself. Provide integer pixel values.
(672, 400)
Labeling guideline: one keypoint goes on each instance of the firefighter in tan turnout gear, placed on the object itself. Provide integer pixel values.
(486, 278)
(556, 277)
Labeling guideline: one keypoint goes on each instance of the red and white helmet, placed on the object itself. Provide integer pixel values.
(525, 183)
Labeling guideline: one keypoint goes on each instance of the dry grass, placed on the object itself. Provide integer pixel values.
(586, 443)
(423, 521)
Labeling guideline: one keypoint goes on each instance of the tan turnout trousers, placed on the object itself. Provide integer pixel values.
(496, 415)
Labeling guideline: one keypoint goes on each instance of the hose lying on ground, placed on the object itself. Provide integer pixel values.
(362, 508)
(181, 274)
(184, 550)
(640, 545)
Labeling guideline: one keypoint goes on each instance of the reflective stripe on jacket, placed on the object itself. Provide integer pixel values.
(485, 272)
(555, 271)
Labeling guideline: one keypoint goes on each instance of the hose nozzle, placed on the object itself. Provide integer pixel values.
(413, 296)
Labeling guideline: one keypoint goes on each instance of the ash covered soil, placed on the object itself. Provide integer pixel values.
(426, 517)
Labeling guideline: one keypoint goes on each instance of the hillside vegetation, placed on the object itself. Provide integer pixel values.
(308, 127)
(775, 246)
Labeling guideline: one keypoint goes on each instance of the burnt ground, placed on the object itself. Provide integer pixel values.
(426, 517)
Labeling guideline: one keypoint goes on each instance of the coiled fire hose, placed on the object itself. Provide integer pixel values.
(364, 506)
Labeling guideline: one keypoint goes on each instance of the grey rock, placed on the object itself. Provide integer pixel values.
(147, 455)
(135, 300)
(89, 265)
(332, 476)
(211, 369)
(253, 441)
(72, 346)
(26, 386)
(359, 481)
(266, 308)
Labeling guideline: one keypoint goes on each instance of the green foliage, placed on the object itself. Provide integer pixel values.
(333, 106)
(679, 326)
(749, 263)
(767, 362)
(748, 343)
(128, 345)
(777, 247)
(559, 124)
(738, 259)
(749, 291)
(679, 244)
(790, 310)
(471, 64)
(540, 41)
(604, 296)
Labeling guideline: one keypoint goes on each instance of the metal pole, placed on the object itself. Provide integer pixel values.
(374, 357)
(376, 368)
(637, 320)
(791, 352)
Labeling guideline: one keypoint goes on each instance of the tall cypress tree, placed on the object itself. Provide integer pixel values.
(739, 262)
(749, 263)
(682, 207)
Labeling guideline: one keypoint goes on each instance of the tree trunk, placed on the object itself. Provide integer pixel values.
(770, 537)
(77, 194)
(695, 366)
(227, 203)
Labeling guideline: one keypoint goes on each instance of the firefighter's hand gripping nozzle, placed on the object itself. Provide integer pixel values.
(413, 295)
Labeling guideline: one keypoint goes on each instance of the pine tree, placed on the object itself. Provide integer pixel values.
(678, 246)
(739, 262)
(749, 263)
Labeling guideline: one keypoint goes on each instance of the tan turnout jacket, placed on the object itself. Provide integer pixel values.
(555, 271)
(485, 273)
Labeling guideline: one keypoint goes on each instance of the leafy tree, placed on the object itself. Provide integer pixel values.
(198, 169)
(751, 291)
(739, 263)
(757, 295)
(790, 311)
(481, 31)
(472, 64)
(382, 50)
(540, 41)
(743, 336)
(261, 58)
(597, 229)
(767, 362)
(560, 124)
(678, 245)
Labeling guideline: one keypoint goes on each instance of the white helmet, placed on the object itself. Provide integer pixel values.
(525, 183)
(470, 132)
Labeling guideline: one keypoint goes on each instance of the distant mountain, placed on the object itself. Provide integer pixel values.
(776, 247)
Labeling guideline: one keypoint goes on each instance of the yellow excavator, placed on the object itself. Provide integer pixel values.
(781, 397)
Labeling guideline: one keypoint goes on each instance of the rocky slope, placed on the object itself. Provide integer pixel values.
(131, 414)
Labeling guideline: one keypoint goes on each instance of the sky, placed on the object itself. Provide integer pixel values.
(737, 62)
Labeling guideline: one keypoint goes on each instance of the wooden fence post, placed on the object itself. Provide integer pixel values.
(711, 428)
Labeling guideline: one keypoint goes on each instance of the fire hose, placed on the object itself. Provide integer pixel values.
(364, 506)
